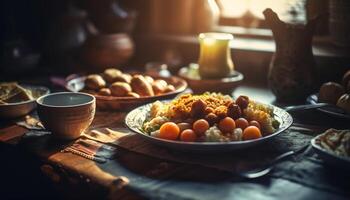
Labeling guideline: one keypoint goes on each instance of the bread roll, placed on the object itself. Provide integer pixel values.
(161, 82)
(123, 78)
(157, 89)
(133, 94)
(159, 86)
(149, 79)
(169, 88)
(94, 82)
(104, 92)
(141, 86)
(330, 92)
(127, 77)
(111, 74)
(120, 89)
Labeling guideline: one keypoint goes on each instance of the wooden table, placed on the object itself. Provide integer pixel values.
(131, 174)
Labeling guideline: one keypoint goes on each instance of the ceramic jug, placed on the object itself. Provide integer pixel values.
(292, 75)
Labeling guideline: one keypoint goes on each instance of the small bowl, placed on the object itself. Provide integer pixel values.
(224, 85)
(19, 109)
(66, 114)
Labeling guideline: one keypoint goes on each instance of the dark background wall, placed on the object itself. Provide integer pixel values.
(26, 23)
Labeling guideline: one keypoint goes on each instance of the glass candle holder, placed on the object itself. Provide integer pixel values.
(215, 56)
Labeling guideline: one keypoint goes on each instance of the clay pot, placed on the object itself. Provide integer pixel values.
(106, 50)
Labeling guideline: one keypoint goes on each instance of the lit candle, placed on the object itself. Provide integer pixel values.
(215, 56)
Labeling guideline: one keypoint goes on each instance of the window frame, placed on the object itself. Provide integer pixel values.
(236, 25)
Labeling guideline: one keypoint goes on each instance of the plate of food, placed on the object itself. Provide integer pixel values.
(333, 147)
(114, 89)
(210, 122)
(18, 100)
(335, 94)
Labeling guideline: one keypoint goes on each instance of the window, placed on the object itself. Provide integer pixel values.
(248, 13)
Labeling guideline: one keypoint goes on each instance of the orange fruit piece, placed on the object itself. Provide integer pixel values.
(255, 123)
(200, 126)
(227, 125)
(169, 131)
(241, 123)
(251, 133)
(188, 135)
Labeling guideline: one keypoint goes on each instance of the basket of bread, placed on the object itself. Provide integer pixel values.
(115, 89)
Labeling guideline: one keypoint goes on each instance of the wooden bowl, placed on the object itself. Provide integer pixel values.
(66, 114)
(128, 103)
(224, 85)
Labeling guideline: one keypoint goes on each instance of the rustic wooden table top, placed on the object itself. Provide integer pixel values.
(134, 175)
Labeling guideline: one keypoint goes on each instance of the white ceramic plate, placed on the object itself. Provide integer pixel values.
(136, 118)
(329, 157)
